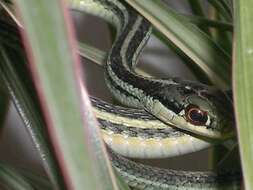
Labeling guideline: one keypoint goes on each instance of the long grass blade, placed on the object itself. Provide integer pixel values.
(223, 8)
(192, 41)
(58, 77)
(197, 9)
(4, 103)
(42, 183)
(223, 26)
(11, 179)
(15, 77)
(35, 179)
(9, 9)
(22, 179)
(96, 55)
(243, 85)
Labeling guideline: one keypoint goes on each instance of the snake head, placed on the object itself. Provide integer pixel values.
(194, 107)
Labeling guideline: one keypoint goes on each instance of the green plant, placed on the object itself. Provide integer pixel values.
(70, 161)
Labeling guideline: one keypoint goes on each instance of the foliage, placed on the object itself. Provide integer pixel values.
(75, 157)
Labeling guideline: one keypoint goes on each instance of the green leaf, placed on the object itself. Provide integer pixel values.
(15, 77)
(6, 7)
(35, 179)
(96, 55)
(12, 180)
(18, 98)
(18, 179)
(199, 74)
(4, 103)
(243, 85)
(75, 135)
(201, 21)
(223, 8)
(193, 42)
(197, 9)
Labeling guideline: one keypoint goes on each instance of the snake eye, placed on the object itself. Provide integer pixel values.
(196, 116)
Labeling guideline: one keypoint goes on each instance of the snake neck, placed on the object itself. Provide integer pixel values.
(133, 31)
(169, 100)
(125, 84)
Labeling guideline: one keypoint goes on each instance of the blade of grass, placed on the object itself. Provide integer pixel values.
(198, 20)
(243, 85)
(36, 180)
(230, 5)
(19, 179)
(194, 43)
(4, 104)
(197, 9)
(16, 79)
(7, 6)
(199, 74)
(222, 8)
(219, 25)
(222, 37)
(17, 87)
(96, 55)
(79, 149)
(12, 180)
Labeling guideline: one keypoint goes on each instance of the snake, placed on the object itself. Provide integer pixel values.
(122, 123)
(188, 105)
